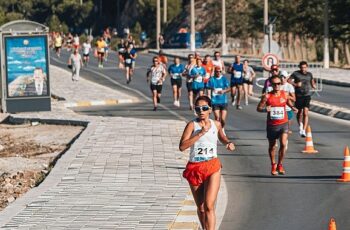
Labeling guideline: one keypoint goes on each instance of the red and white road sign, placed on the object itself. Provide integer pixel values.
(268, 60)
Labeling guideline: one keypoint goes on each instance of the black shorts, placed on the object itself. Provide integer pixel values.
(129, 65)
(220, 107)
(86, 55)
(302, 102)
(275, 131)
(245, 81)
(57, 48)
(197, 91)
(102, 54)
(158, 88)
(189, 86)
(177, 82)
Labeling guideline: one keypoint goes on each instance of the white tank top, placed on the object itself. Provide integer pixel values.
(218, 63)
(206, 147)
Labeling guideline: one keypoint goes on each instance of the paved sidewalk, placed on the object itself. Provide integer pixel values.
(121, 173)
(82, 94)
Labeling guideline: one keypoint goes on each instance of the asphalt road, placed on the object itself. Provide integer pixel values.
(305, 198)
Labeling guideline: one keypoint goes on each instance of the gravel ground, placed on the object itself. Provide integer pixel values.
(27, 153)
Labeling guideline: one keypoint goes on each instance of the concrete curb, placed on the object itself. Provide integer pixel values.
(98, 102)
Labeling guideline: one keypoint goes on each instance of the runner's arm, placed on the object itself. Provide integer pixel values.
(223, 138)
(262, 104)
(186, 140)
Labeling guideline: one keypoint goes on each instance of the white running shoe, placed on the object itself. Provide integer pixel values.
(175, 103)
(178, 103)
(233, 103)
(301, 126)
(303, 133)
(246, 103)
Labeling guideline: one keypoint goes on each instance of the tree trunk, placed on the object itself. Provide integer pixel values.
(335, 53)
(302, 53)
(253, 46)
(290, 48)
(347, 53)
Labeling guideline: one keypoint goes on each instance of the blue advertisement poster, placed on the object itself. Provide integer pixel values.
(26, 66)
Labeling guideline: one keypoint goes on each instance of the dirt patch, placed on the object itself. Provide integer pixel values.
(27, 153)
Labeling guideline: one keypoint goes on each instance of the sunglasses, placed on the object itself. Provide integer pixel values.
(274, 70)
(203, 108)
(217, 71)
(274, 84)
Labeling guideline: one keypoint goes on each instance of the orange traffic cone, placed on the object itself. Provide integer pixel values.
(332, 225)
(309, 146)
(345, 177)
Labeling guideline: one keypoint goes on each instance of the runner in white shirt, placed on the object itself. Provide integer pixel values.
(156, 75)
(86, 52)
(218, 62)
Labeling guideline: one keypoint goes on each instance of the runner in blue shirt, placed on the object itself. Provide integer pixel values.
(236, 71)
(176, 70)
(198, 74)
(218, 87)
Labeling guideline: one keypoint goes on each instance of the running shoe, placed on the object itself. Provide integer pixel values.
(178, 103)
(303, 133)
(233, 103)
(175, 103)
(274, 169)
(246, 103)
(239, 107)
(280, 169)
(155, 109)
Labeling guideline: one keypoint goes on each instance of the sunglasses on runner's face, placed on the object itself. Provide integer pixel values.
(203, 108)
(276, 83)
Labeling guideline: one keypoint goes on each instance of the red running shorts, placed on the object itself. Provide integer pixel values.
(197, 172)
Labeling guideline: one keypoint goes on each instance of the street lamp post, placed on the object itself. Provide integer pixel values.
(193, 32)
(223, 14)
(158, 24)
(326, 38)
(165, 11)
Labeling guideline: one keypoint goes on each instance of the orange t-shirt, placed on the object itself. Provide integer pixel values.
(208, 69)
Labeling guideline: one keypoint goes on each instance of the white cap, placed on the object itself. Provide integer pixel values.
(284, 73)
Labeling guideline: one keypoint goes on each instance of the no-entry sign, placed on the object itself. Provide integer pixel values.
(268, 60)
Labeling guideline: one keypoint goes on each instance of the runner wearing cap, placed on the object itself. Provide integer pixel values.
(203, 170)
(274, 103)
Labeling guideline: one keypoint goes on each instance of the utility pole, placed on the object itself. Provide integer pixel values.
(165, 11)
(266, 20)
(193, 32)
(223, 28)
(81, 2)
(326, 38)
(158, 23)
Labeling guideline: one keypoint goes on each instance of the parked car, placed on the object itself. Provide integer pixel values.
(183, 40)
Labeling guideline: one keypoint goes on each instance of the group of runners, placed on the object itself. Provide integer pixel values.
(282, 95)
(203, 76)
